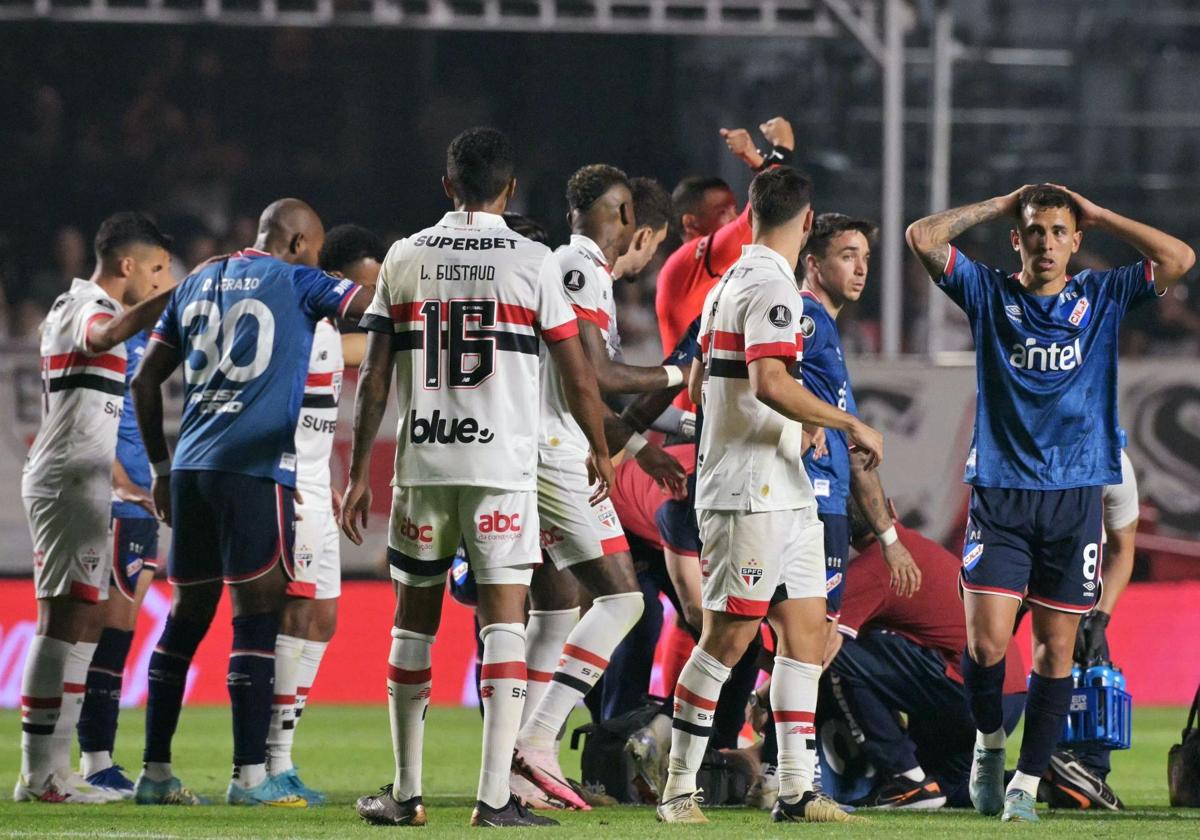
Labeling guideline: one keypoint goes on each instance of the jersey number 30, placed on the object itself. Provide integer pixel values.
(207, 343)
(469, 359)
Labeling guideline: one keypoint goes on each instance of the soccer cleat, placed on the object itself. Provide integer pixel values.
(765, 789)
(512, 815)
(114, 779)
(684, 809)
(291, 779)
(532, 795)
(1019, 807)
(594, 795)
(1068, 783)
(270, 791)
(813, 807)
(987, 781)
(382, 809)
(68, 789)
(170, 792)
(541, 768)
(902, 792)
(648, 758)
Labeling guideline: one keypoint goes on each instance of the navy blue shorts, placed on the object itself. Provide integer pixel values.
(837, 554)
(228, 526)
(676, 521)
(1040, 545)
(135, 550)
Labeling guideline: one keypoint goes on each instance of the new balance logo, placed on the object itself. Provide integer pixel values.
(1032, 356)
(438, 429)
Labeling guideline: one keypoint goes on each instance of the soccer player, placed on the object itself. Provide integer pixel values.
(583, 538)
(242, 327)
(310, 612)
(836, 260)
(653, 209)
(67, 490)
(460, 311)
(1045, 444)
(756, 509)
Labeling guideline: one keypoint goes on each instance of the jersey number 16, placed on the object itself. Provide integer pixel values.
(469, 359)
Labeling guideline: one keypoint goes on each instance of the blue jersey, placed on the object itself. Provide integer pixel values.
(131, 453)
(823, 371)
(244, 329)
(688, 347)
(1046, 373)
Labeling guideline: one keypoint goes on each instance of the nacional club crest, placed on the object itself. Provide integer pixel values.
(752, 571)
(1081, 308)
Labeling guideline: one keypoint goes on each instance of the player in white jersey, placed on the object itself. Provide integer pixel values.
(310, 612)
(755, 504)
(460, 310)
(67, 489)
(567, 659)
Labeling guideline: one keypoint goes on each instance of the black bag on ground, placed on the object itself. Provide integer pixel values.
(1183, 763)
(605, 766)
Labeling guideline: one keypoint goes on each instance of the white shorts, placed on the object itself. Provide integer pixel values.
(317, 552)
(745, 556)
(498, 527)
(1121, 508)
(573, 529)
(72, 547)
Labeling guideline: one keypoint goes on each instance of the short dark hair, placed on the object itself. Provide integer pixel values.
(829, 226)
(527, 227)
(651, 203)
(689, 193)
(479, 164)
(585, 187)
(127, 228)
(779, 195)
(347, 244)
(1042, 196)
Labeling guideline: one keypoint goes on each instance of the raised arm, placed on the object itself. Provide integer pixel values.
(107, 333)
(370, 404)
(157, 365)
(930, 237)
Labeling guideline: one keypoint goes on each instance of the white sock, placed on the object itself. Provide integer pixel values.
(794, 705)
(916, 774)
(502, 686)
(991, 740)
(1025, 782)
(410, 680)
(545, 634)
(74, 686)
(249, 775)
(94, 762)
(283, 704)
(158, 771)
(696, 696)
(310, 662)
(584, 658)
(660, 727)
(41, 703)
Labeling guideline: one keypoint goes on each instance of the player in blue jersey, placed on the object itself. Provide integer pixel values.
(836, 260)
(242, 328)
(134, 561)
(1045, 444)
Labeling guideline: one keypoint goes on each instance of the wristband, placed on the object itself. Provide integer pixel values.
(674, 375)
(161, 469)
(778, 156)
(889, 537)
(634, 445)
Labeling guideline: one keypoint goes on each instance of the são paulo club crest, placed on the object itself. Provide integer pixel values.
(751, 571)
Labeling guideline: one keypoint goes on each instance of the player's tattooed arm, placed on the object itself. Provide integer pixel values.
(157, 366)
(615, 377)
(930, 238)
(108, 333)
(370, 403)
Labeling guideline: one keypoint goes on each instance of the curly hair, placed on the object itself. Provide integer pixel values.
(589, 183)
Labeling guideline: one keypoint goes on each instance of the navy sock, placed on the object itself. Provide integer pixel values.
(985, 693)
(1046, 708)
(166, 680)
(251, 683)
(102, 696)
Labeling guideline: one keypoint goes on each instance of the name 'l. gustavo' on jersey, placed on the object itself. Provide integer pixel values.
(1046, 372)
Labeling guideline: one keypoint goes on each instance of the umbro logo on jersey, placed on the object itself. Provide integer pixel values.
(1013, 312)
(439, 429)
(807, 325)
(1032, 356)
(574, 280)
(780, 316)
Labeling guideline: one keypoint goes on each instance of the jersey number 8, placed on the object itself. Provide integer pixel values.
(207, 341)
(469, 359)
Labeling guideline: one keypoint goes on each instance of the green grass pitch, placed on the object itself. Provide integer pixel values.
(346, 751)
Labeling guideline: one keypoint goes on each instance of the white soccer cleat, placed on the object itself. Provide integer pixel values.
(63, 788)
(683, 809)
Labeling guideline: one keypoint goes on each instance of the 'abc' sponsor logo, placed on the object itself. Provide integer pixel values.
(499, 526)
(417, 533)
(439, 429)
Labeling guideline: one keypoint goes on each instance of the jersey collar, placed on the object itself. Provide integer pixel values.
(78, 284)
(763, 252)
(472, 218)
(589, 247)
(247, 253)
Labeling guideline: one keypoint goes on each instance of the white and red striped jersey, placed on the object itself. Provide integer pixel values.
(319, 410)
(82, 397)
(749, 456)
(466, 303)
(588, 285)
